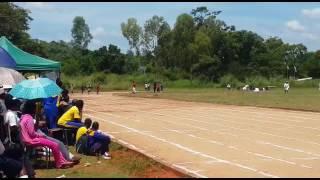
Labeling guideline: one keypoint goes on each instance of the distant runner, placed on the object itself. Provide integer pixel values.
(98, 88)
(286, 87)
(134, 87)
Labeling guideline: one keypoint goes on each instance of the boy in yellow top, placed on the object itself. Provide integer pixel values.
(84, 129)
(72, 117)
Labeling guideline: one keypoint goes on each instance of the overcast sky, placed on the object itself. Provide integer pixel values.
(292, 22)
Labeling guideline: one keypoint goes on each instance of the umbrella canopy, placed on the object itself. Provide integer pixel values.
(10, 77)
(35, 89)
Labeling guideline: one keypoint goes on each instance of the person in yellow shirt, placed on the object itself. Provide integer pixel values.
(72, 117)
(82, 145)
(84, 129)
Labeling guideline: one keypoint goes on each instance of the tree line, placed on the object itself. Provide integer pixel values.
(198, 46)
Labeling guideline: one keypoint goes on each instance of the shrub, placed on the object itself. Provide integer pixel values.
(229, 79)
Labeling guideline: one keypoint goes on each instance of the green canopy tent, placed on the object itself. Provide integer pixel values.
(25, 61)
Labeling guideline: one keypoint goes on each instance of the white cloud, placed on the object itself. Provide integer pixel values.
(37, 5)
(99, 32)
(311, 13)
(310, 36)
(95, 44)
(294, 25)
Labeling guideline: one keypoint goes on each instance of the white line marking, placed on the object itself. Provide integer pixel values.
(188, 170)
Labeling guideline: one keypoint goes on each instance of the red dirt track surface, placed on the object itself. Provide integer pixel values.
(209, 140)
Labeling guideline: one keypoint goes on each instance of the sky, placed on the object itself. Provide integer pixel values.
(293, 22)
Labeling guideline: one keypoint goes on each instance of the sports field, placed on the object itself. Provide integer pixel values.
(210, 140)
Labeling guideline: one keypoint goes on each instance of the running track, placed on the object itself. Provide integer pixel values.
(209, 140)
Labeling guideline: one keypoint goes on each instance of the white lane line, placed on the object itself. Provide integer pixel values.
(179, 145)
(216, 142)
(268, 175)
(307, 158)
(288, 148)
(188, 170)
(182, 163)
(261, 155)
(306, 166)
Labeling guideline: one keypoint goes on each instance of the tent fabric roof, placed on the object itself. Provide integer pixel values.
(25, 61)
(6, 60)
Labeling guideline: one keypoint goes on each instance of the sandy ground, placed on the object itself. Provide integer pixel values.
(208, 140)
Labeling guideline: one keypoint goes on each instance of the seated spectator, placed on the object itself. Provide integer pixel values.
(3, 110)
(51, 111)
(11, 119)
(14, 149)
(63, 149)
(33, 139)
(72, 117)
(82, 137)
(98, 142)
(63, 102)
(10, 167)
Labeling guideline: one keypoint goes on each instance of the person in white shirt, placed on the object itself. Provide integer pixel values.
(11, 119)
(228, 86)
(286, 87)
(145, 86)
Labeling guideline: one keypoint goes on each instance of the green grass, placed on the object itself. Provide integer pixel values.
(298, 98)
(125, 163)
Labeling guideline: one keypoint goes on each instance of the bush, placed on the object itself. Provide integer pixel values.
(257, 81)
(99, 78)
(229, 79)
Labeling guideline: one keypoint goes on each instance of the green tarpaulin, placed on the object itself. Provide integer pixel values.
(26, 61)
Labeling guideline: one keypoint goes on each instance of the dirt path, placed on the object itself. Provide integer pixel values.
(208, 140)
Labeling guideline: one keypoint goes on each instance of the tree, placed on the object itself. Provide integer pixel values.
(14, 22)
(152, 32)
(201, 13)
(132, 32)
(80, 33)
(183, 37)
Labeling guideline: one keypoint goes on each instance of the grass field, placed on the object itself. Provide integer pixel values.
(125, 163)
(298, 98)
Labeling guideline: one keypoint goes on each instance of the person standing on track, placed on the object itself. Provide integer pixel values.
(89, 88)
(82, 89)
(98, 88)
(286, 87)
(71, 88)
(154, 87)
(134, 87)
